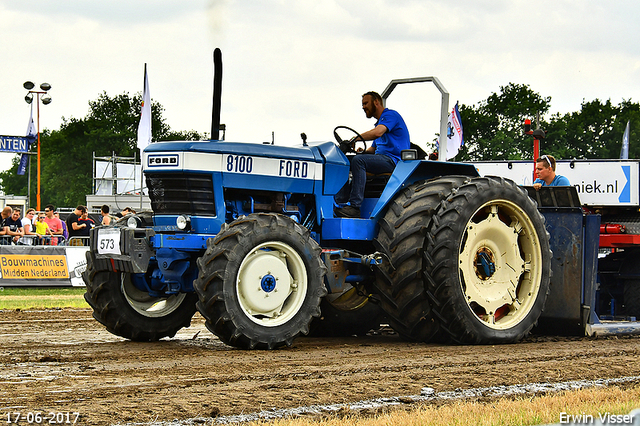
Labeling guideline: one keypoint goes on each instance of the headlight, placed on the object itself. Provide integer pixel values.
(408, 154)
(133, 222)
(183, 222)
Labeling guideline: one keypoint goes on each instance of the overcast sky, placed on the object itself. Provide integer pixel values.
(302, 66)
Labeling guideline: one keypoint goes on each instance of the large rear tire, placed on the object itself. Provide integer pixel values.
(131, 313)
(489, 263)
(260, 282)
(402, 237)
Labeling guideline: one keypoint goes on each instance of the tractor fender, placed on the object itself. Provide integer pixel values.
(409, 172)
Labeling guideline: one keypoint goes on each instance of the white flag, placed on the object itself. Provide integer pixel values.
(144, 128)
(31, 127)
(624, 152)
(454, 133)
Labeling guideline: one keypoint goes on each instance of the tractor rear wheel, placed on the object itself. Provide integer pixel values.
(402, 237)
(260, 282)
(489, 262)
(131, 313)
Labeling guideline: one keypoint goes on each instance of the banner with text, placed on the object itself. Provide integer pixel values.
(599, 182)
(42, 265)
(15, 143)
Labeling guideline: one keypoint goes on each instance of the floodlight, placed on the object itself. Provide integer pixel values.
(28, 85)
(45, 86)
(46, 99)
(29, 98)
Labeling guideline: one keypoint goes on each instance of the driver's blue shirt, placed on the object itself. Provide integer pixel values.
(395, 139)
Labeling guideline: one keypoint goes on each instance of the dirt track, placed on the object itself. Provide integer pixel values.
(64, 361)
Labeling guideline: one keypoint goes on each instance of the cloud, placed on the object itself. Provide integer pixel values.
(113, 12)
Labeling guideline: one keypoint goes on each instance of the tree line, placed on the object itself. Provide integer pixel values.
(66, 166)
(493, 130)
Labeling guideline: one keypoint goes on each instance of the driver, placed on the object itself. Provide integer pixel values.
(389, 136)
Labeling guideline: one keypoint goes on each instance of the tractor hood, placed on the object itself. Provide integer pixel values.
(317, 152)
(298, 168)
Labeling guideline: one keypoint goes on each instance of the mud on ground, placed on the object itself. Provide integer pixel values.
(65, 361)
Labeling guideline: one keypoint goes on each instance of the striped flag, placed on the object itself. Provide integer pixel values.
(144, 128)
(454, 133)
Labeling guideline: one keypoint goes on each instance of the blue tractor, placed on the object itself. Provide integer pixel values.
(245, 234)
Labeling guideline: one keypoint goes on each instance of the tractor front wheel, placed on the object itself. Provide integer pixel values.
(131, 313)
(260, 282)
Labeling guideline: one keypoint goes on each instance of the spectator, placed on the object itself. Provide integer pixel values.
(6, 213)
(107, 219)
(4, 239)
(13, 226)
(74, 226)
(86, 231)
(42, 229)
(546, 169)
(65, 232)
(124, 212)
(29, 227)
(55, 224)
(88, 222)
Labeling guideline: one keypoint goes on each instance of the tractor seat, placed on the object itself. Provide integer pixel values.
(375, 184)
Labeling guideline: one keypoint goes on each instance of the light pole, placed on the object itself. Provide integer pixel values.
(46, 99)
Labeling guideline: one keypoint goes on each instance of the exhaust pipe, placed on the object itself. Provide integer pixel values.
(217, 94)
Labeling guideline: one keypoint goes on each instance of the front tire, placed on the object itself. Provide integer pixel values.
(260, 282)
(489, 263)
(131, 313)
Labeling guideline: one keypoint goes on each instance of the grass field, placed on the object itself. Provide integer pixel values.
(553, 408)
(42, 297)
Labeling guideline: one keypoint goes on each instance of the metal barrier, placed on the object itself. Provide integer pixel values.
(79, 241)
(44, 240)
(34, 240)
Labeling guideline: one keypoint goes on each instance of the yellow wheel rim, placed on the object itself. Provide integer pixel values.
(500, 264)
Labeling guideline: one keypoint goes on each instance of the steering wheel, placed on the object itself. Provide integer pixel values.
(348, 145)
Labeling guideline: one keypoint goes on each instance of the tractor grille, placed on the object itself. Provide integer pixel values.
(181, 193)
